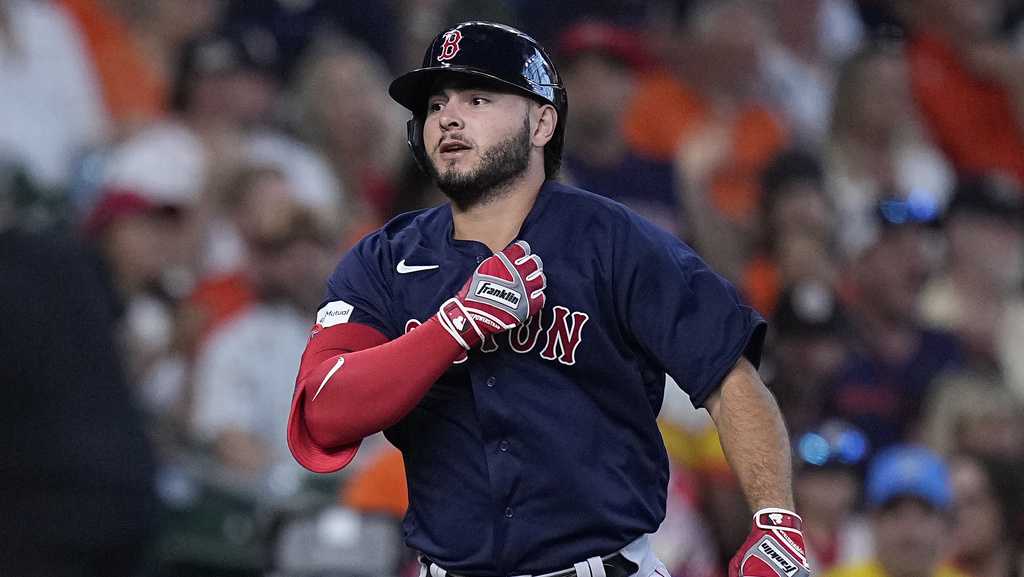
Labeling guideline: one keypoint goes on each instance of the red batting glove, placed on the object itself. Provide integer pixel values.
(775, 547)
(503, 292)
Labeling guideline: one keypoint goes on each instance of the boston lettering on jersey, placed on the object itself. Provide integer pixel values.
(563, 335)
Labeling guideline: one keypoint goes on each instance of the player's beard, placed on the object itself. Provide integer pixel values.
(500, 165)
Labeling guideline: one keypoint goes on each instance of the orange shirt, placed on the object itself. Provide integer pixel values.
(133, 90)
(971, 119)
(762, 284)
(380, 486)
(665, 113)
(215, 301)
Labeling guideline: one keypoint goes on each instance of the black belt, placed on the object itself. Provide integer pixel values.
(615, 565)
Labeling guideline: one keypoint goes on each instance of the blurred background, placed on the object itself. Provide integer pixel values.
(179, 177)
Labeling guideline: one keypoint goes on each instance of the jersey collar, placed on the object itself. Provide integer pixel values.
(547, 190)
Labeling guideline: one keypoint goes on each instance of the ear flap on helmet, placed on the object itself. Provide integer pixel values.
(414, 137)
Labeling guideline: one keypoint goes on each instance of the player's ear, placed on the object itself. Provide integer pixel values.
(546, 118)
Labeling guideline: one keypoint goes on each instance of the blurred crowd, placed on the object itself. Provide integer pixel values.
(179, 177)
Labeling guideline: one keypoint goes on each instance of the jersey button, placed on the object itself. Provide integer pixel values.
(508, 512)
(491, 381)
(479, 259)
(503, 446)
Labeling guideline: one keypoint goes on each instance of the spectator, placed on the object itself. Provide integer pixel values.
(143, 227)
(969, 84)
(705, 113)
(599, 65)
(828, 462)
(363, 140)
(889, 372)
(229, 78)
(809, 345)
(226, 94)
(874, 148)
(239, 405)
(77, 469)
(256, 198)
(910, 499)
(797, 233)
(134, 47)
(296, 26)
(812, 35)
(984, 275)
(545, 21)
(43, 69)
(988, 501)
(975, 413)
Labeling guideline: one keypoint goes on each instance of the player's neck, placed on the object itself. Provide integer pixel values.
(497, 222)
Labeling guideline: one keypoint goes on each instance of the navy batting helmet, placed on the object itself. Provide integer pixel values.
(490, 51)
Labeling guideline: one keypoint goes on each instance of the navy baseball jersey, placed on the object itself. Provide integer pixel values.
(540, 448)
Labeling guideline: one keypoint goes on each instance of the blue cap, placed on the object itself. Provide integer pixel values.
(909, 471)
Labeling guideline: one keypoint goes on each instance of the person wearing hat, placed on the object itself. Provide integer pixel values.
(141, 224)
(894, 358)
(978, 296)
(225, 93)
(796, 236)
(601, 63)
(828, 464)
(809, 332)
(910, 498)
(538, 452)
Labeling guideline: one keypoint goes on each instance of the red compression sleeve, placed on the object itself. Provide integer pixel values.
(352, 395)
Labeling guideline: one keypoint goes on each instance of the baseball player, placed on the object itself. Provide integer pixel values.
(523, 392)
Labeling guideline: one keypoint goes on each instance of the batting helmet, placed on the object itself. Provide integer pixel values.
(490, 51)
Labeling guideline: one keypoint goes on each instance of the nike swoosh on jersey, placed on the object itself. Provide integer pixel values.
(408, 268)
(330, 373)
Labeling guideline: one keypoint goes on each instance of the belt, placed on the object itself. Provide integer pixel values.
(615, 565)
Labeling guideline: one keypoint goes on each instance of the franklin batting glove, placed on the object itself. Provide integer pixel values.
(503, 293)
(775, 547)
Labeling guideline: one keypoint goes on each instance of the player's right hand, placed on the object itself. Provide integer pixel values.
(502, 293)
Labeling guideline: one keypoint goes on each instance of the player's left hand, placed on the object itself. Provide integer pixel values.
(775, 547)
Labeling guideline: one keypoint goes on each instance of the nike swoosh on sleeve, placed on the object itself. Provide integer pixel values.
(330, 373)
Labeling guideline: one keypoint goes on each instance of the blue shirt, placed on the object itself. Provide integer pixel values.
(885, 399)
(648, 186)
(541, 449)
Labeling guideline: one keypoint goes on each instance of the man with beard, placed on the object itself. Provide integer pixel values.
(528, 433)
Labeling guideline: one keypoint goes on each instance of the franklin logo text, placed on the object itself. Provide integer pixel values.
(498, 294)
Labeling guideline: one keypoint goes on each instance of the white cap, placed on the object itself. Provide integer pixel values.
(165, 164)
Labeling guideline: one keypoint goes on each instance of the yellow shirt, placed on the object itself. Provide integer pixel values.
(874, 569)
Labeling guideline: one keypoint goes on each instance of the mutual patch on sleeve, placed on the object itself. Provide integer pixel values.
(333, 313)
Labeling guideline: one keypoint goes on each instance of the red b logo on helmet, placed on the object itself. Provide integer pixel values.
(450, 47)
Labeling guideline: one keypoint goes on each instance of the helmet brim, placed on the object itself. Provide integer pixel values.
(412, 89)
